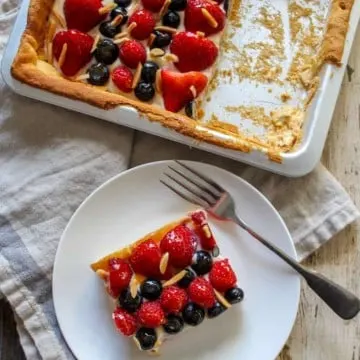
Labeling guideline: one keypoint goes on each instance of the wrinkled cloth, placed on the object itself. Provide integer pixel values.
(51, 159)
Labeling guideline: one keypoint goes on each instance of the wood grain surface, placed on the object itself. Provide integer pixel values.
(318, 334)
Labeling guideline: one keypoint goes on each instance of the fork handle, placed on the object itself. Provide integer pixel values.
(341, 301)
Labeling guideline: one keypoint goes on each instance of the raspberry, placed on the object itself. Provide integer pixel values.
(132, 52)
(151, 314)
(173, 299)
(120, 274)
(125, 322)
(122, 78)
(201, 293)
(222, 276)
(145, 24)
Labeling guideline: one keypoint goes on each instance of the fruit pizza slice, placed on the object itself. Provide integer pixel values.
(172, 278)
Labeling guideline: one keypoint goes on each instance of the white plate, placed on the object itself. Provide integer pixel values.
(135, 203)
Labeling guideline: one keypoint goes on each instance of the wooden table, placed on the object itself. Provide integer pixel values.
(317, 334)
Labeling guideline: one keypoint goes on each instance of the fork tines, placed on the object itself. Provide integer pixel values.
(195, 187)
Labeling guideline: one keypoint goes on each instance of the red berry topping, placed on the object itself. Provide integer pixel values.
(145, 258)
(125, 322)
(195, 53)
(201, 292)
(222, 276)
(122, 78)
(119, 276)
(78, 50)
(176, 88)
(173, 299)
(131, 53)
(151, 314)
(196, 20)
(82, 15)
(145, 24)
(153, 5)
(178, 242)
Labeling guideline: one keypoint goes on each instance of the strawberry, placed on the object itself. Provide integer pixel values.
(125, 322)
(151, 314)
(153, 5)
(207, 239)
(196, 21)
(201, 292)
(173, 299)
(145, 258)
(122, 78)
(145, 24)
(195, 53)
(222, 276)
(82, 15)
(178, 242)
(119, 275)
(132, 52)
(176, 88)
(78, 50)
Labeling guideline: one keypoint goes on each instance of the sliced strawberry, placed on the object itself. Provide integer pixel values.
(153, 5)
(122, 78)
(145, 258)
(125, 322)
(222, 276)
(119, 276)
(176, 88)
(78, 50)
(173, 299)
(195, 20)
(145, 23)
(195, 53)
(132, 52)
(201, 292)
(82, 15)
(151, 314)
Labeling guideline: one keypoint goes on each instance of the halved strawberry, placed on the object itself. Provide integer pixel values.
(131, 52)
(153, 5)
(78, 50)
(201, 292)
(122, 78)
(124, 322)
(82, 15)
(196, 20)
(145, 23)
(120, 274)
(177, 88)
(222, 276)
(151, 314)
(195, 53)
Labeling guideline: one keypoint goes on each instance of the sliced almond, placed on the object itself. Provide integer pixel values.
(51, 30)
(121, 35)
(107, 8)
(171, 58)
(166, 29)
(209, 18)
(151, 39)
(97, 38)
(193, 91)
(137, 75)
(222, 300)
(175, 278)
(102, 274)
(50, 58)
(164, 263)
(158, 81)
(157, 52)
(82, 77)
(58, 18)
(200, 34)
(134, 285)
(207, 231)
(62, 56)
(131, 27)
(164, 8)
(117, 20)
(120, 41)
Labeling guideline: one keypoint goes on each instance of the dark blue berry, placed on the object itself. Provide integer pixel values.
(123, 3)
(162, 39)
(234, 295)
(147, 338)
(129, 303)
(172, 19)
(178, 5)
(106, 51)
(202, 263)
(193, 314)
(148, 72)
(144, 91)
(187, 279)
(98, 74)
(174, 324)
(216, 310)
(151, 289)
(109, 30)
(119, 11)
(226, 6)
(189, 109)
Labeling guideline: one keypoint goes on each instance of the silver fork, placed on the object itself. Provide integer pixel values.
(200, 190)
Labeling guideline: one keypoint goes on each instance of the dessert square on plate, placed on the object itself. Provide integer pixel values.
(172, 278)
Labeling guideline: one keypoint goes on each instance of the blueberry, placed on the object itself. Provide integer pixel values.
(178, 5)
(172, 19)
(234, 295)
(98, 74)
(144, 91)
(189, 109)
(119, 11)
(123, 3)
(109, 30)
(148, 72)
(174, 324)
(193, 314)
(226, 6)
(129, 303)
(187, 279)
(106, 51)
(162, 39)
(202, 263)
(147, 338)
(151, 289)
(216, 310)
